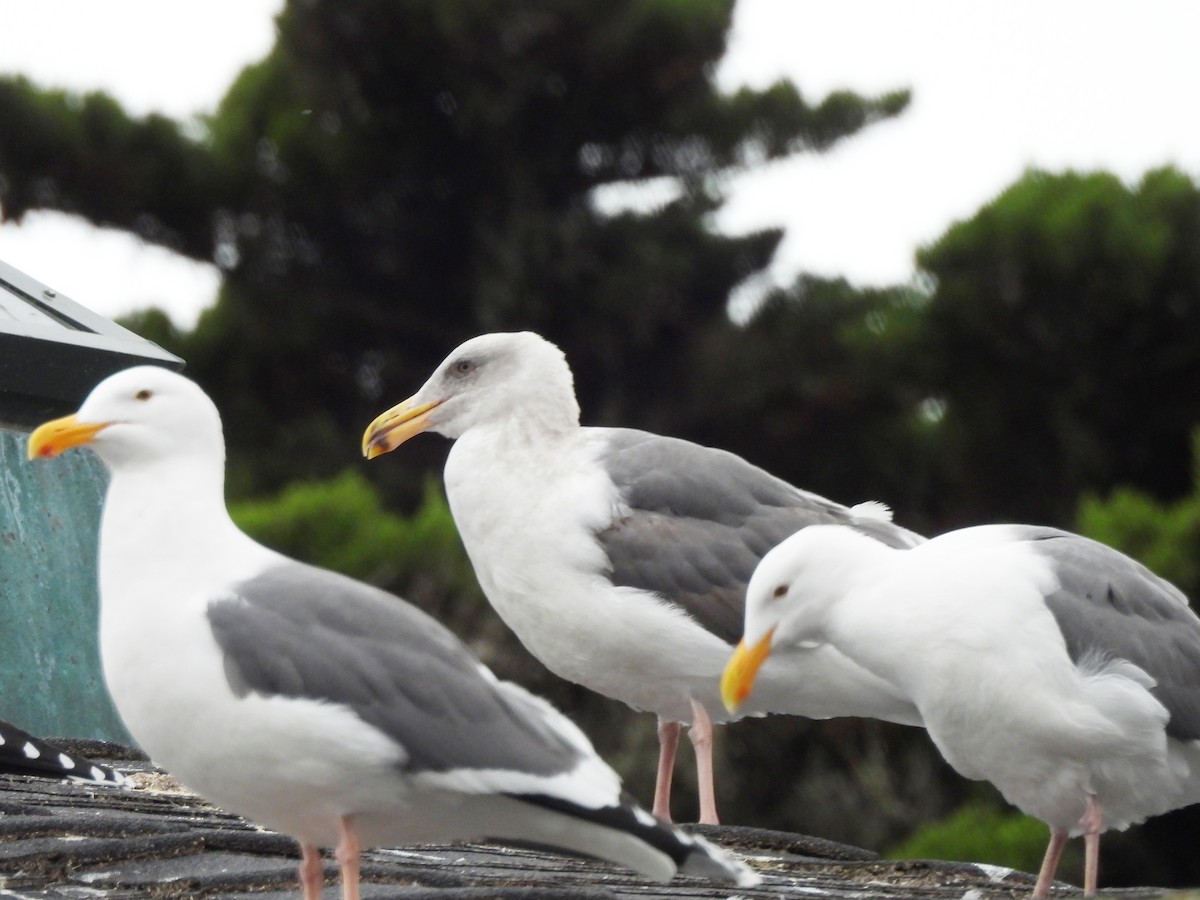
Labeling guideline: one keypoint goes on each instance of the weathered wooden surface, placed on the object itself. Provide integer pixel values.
(60, 841)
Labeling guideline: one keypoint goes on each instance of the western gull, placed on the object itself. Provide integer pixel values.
(618, 557)
(23, 754)
(307, 701)
(1053, 666)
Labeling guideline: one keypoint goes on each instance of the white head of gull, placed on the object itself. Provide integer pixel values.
(619, 557)
(310, 702)
(1053, 666)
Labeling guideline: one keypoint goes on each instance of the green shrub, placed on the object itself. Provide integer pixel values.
(980, 832)
(341, 524)
(1166, 538)
(1163, 536)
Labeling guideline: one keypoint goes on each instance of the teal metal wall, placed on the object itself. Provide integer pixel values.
(50, 678)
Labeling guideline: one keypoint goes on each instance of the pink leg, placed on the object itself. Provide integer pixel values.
(1092, 823)
(668, 742)
(1058, 840)
(701, 734)
(347, 853)
(312, 872)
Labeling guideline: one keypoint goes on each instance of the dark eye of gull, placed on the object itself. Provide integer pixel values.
(143, 394)
(462, 367)
(779, 592)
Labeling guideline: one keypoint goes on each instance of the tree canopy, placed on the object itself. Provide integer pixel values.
(1063, 327)
(395, 177)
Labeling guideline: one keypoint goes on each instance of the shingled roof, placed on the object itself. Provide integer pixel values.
(64, 840)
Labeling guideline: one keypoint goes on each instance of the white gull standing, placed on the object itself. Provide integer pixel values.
(619, 557)
(307, 701)
(1053, 666)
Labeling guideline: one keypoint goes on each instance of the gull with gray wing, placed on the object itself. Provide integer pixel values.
(620, 557)
(1057, 668)
(310, 702)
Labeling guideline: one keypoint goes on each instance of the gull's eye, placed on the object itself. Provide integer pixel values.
(143, 394)
(779, 592)
(462, 367)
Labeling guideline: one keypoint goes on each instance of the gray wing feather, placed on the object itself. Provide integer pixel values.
(300, 631)
(1110, 604)
(695, 522)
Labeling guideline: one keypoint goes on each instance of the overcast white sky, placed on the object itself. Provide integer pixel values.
(999, 86)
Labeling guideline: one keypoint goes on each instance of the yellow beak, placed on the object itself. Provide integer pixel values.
(392, 428)
(52, 438)
(742, 669)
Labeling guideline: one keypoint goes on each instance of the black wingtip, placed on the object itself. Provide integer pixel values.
(692, 854)
(23, 754)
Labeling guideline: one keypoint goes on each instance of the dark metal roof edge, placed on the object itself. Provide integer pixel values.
(83, 325)
(127, 344)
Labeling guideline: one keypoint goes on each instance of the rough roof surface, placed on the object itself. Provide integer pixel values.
(62, 840)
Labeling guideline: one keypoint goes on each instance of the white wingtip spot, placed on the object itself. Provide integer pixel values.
(872, 509)
(994, 874)
(30, 751)
(747, 877)
(643, 817)
(65, 761)
(96, 775)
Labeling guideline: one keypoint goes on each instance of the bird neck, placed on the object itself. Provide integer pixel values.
(852, 619)
(165, 518)
(547, 424)
(520, 438)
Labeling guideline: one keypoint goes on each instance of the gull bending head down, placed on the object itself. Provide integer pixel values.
(1053, 666)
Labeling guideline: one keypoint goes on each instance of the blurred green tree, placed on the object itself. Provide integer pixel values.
(1064, 323)
(395, 177)
(825, 386)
